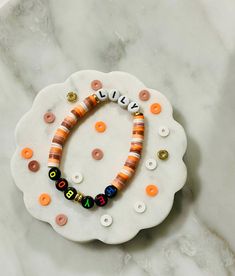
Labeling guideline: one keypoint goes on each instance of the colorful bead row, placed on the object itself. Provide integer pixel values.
(65, 128)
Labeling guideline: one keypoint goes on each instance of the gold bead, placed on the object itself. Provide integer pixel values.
(72, 97)
(78, 197)
(163, 154)
(96, 98)
(138, 113)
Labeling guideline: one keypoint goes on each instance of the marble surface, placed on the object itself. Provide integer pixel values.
(185, 49)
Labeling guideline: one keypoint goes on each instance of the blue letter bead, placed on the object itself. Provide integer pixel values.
(110, 191)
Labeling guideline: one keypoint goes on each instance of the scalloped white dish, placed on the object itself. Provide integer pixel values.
(84, 225)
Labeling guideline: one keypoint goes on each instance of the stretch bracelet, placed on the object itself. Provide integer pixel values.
(65, 128)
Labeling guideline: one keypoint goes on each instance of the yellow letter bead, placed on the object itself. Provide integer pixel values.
(54, 173)
(70, 193)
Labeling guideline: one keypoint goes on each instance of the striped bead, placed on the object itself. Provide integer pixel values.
(134, 153)
(66, 126)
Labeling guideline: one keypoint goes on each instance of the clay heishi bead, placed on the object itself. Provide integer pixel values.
(123, 101)
(87, 202)
(70, 193)
(110, 191)
(54, 173)
(101, 200)
(133, 107)
(114, 94)
(33, 166)
(102, 94)
(61, 184)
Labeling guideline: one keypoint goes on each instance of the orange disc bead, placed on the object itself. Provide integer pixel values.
(44, 199)
(151, 190)
(26, 153)
(100, 126)
(155, 108)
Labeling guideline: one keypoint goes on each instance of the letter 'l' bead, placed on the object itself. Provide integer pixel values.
(114, 94)
(102, 94)
(133, 107)
(123, 101)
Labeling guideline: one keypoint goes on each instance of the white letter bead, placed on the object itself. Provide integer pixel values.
(133, 107)
(102, 94)
(114, 94)
(123, 101)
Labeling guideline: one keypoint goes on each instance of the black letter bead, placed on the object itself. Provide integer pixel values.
(61, 184)
(101, 200)
(110, 191)
(70, 193)
(87, 202)
(54, 173)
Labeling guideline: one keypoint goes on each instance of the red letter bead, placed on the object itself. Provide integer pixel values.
(54, 173)
(101, 200)
(61, 184)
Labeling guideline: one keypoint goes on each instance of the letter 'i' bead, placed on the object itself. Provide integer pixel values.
(114, 95)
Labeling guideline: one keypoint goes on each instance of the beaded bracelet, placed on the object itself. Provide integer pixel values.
(63, 131)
